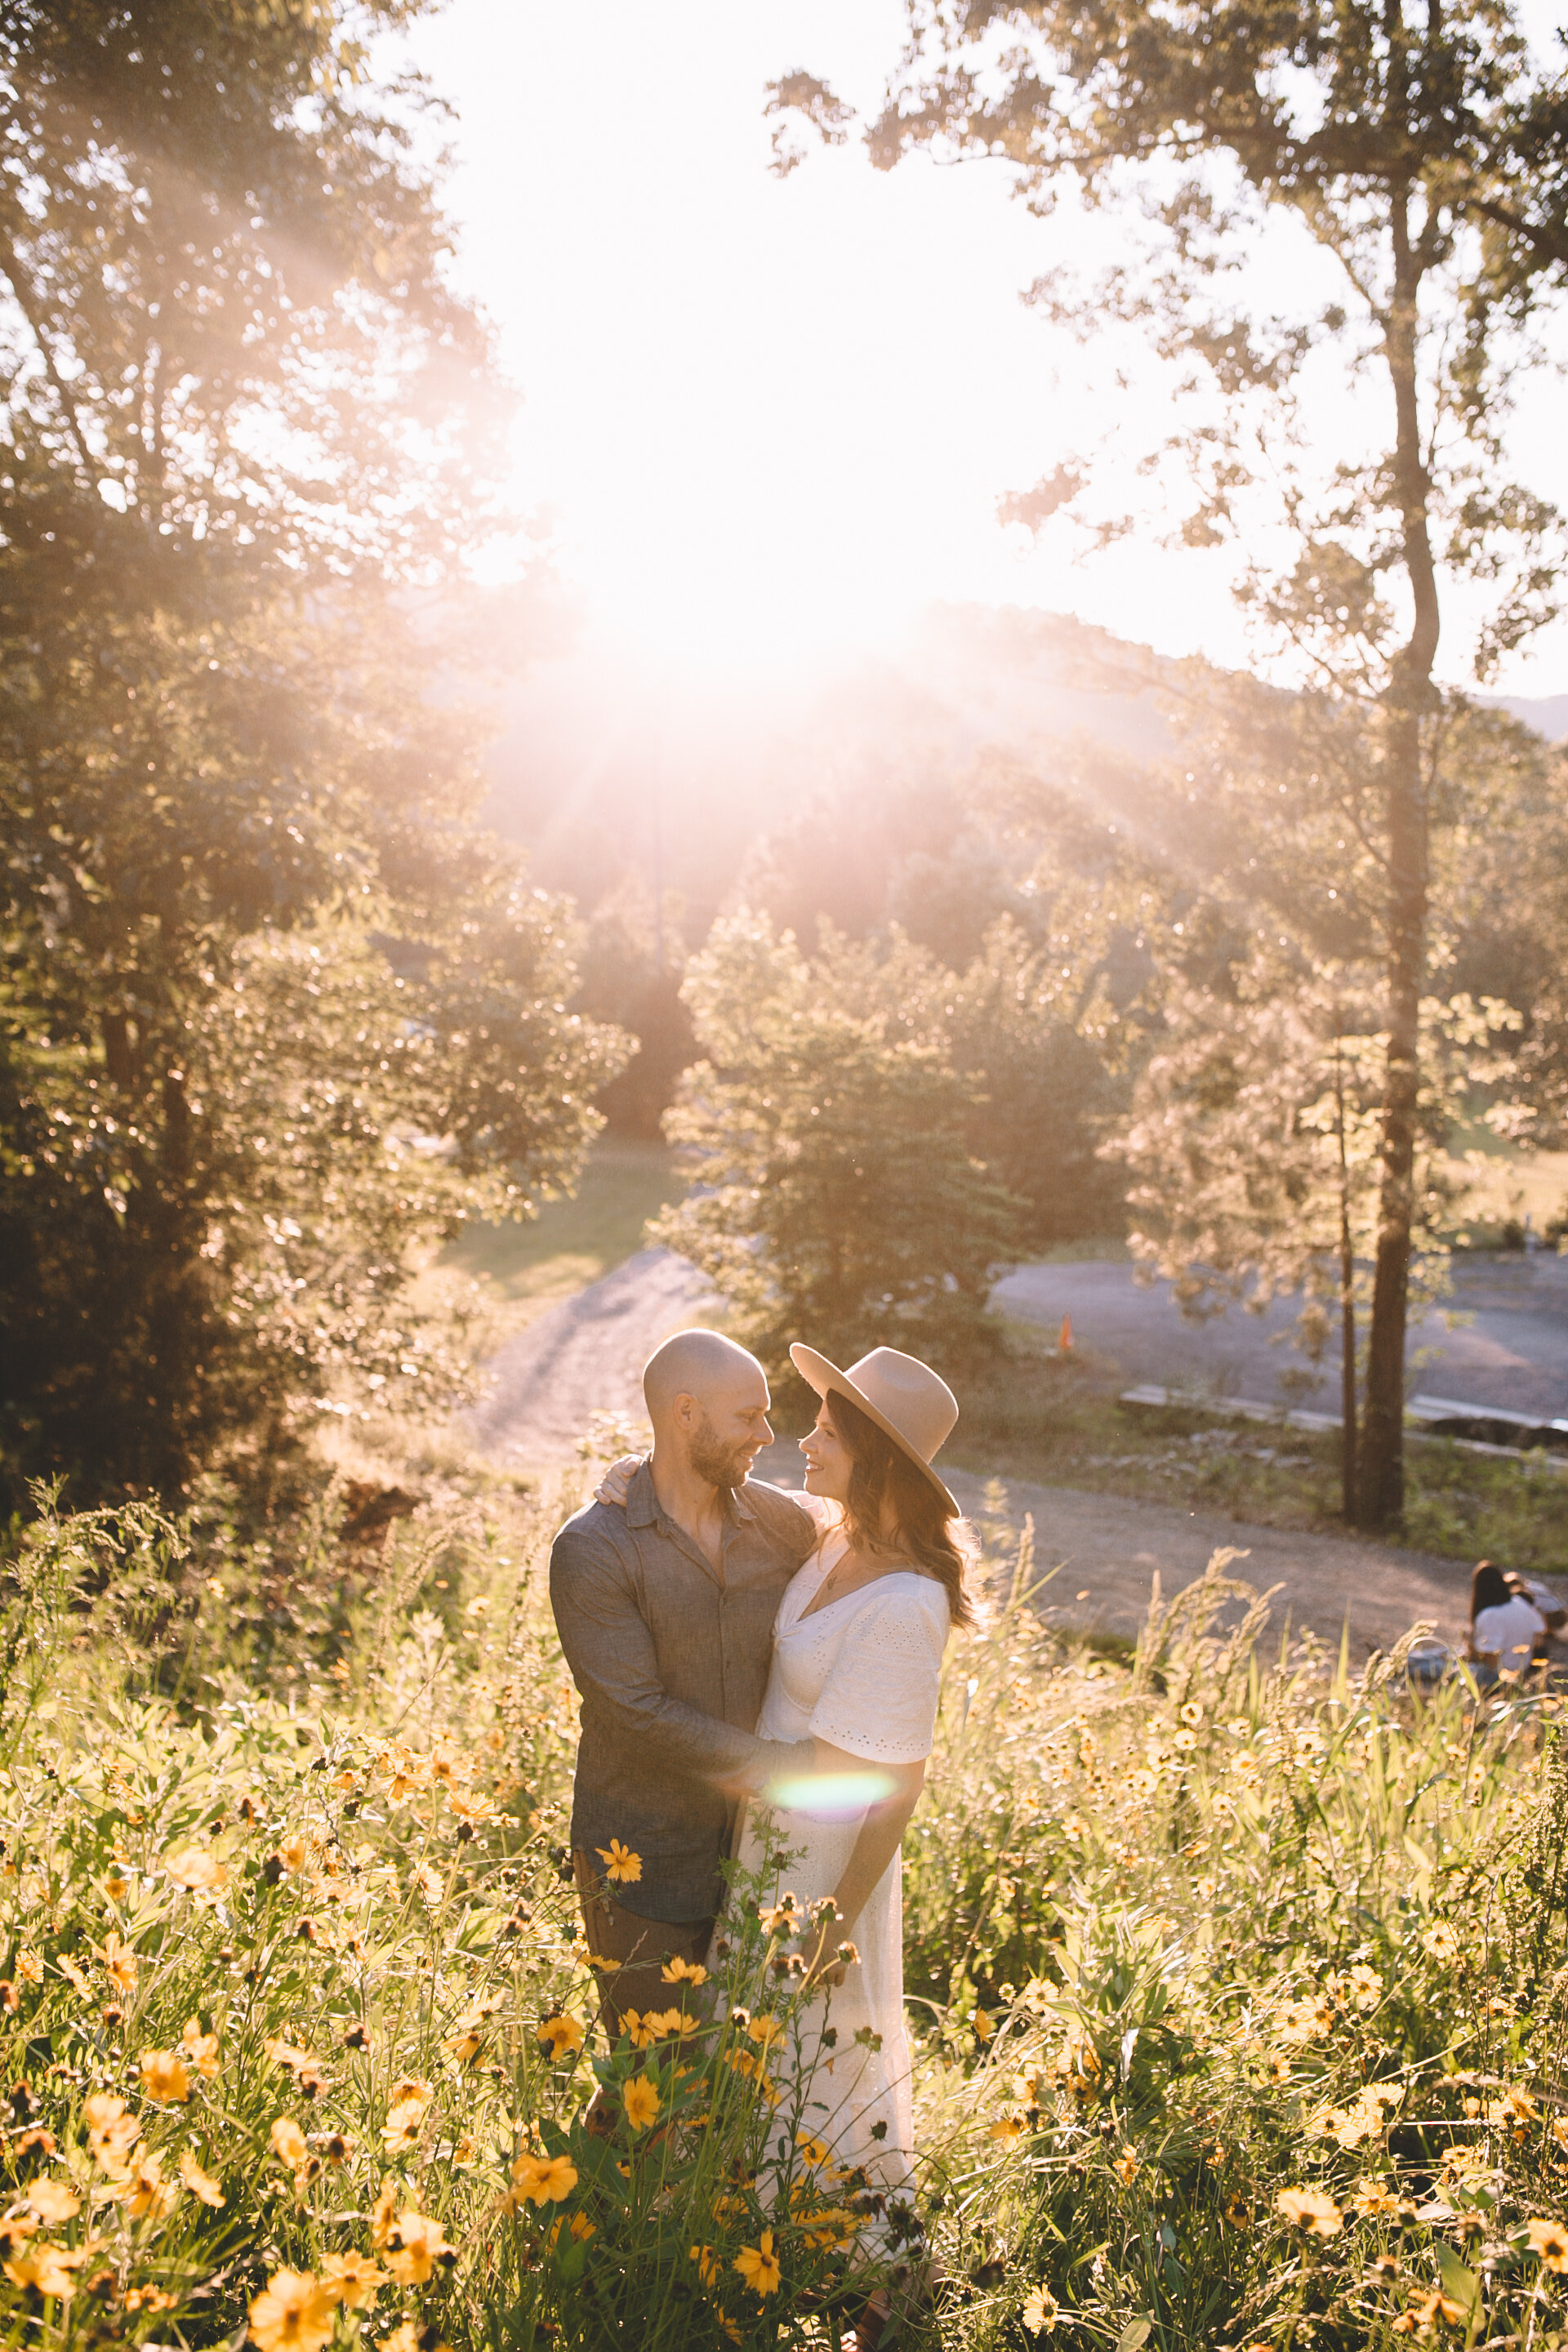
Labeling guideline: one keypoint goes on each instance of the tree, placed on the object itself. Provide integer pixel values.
(1426, 154)
(837, 1196)
(633, 962)
(1252, 1144)
(273, 1015)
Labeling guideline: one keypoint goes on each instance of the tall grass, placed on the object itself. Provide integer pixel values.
(1238, 1986)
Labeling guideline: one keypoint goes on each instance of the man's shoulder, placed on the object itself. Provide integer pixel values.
(781, 1517)
(595, 1533)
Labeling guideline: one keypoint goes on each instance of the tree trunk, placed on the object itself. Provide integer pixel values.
(1347, 1313)
(1381, 1499)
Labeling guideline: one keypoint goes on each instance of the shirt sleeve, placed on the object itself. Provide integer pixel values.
(881, 1695)
(610, 1651)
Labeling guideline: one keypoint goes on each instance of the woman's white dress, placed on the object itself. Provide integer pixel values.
(861, 1673)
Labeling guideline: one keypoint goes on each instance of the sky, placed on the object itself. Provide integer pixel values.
(766, 422)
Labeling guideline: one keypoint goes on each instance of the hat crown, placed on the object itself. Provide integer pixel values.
(906, 1392)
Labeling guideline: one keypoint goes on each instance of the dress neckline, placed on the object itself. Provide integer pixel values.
(859, 1591)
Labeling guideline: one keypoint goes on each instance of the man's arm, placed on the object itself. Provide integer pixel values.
(611, 1652)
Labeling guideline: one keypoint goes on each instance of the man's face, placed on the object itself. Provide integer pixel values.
(731, 1431)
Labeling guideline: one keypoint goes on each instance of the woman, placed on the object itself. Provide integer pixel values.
(856, 1664)
(1508, 1631)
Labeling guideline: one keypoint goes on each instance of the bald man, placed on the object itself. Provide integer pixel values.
(666, 1615)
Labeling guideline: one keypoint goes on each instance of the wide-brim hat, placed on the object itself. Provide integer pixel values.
(908, 1402)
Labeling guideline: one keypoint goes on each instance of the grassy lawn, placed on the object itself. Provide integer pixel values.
(1508, 1186)
(522, 1268)
(1056, 1420)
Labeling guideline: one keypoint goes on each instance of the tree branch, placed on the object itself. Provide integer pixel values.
(31, 309)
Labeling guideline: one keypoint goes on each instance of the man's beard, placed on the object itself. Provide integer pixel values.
(720, 1464)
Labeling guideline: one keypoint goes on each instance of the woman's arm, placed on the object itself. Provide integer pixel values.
(881, 1833)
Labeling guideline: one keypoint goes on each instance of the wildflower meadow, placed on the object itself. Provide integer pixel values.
(1238, 1981)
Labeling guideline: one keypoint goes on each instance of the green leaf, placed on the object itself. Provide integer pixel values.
(1135, 2333)
(1461, 2285)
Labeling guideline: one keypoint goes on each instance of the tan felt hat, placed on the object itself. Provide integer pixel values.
(908, 1402)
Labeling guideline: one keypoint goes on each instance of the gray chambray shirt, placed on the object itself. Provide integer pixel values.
(672, 1659)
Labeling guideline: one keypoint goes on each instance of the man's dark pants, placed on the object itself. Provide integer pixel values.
(636, 1947)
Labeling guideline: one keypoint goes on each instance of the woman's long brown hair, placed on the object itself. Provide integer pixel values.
(881, 1472)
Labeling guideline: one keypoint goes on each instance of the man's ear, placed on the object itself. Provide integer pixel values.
(685, 1410)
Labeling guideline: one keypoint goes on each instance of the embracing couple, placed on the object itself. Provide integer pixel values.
(748, 1656)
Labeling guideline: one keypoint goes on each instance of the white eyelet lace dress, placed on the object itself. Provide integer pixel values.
(863, 1674)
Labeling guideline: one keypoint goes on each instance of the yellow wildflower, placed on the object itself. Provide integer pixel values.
(52, 2200)
(622, 1867)
(200, 2184)
(351, 2279)
(404, 2125)
(145, 2192)
(542, 2179)
(292, 2313)
(1550, 2240)
(1126, 2168)
(288, 2143)
(1441, 1942)
(1309, 2209)
(120, 1962)
(111, 2132)
(707, 2263)
(1040, 2312)
(1009, 2128)
(680, 1972)
(382, 2214)
(195, 1869)
(641, 2101)
(165, 2077)
(758, 2265)
(294, 1851)
(46, 2269)
(560, 2035)
(414, 2245)
(200, 2048)
(1306, 2021)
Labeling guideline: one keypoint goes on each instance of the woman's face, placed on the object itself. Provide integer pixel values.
(828, 1461)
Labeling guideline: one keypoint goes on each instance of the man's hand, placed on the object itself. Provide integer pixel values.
(616, 1484)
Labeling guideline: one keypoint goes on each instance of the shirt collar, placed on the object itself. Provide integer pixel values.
(644, 1508)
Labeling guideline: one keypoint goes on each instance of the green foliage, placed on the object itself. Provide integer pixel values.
(248, 427)
(634, 959)
(837, 1195)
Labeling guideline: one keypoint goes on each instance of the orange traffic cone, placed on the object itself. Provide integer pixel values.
(1064, 1345)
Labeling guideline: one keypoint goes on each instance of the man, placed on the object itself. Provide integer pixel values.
(666, 1615)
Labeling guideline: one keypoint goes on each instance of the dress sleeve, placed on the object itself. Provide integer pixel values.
(879, 1698)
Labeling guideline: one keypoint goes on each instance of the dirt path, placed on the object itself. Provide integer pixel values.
(586, 1356)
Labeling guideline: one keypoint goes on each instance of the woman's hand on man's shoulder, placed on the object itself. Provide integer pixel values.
(616, 1484)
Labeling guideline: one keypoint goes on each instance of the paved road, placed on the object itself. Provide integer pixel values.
(1511, 1352)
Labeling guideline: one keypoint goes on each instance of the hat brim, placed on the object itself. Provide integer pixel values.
(822, 1376)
